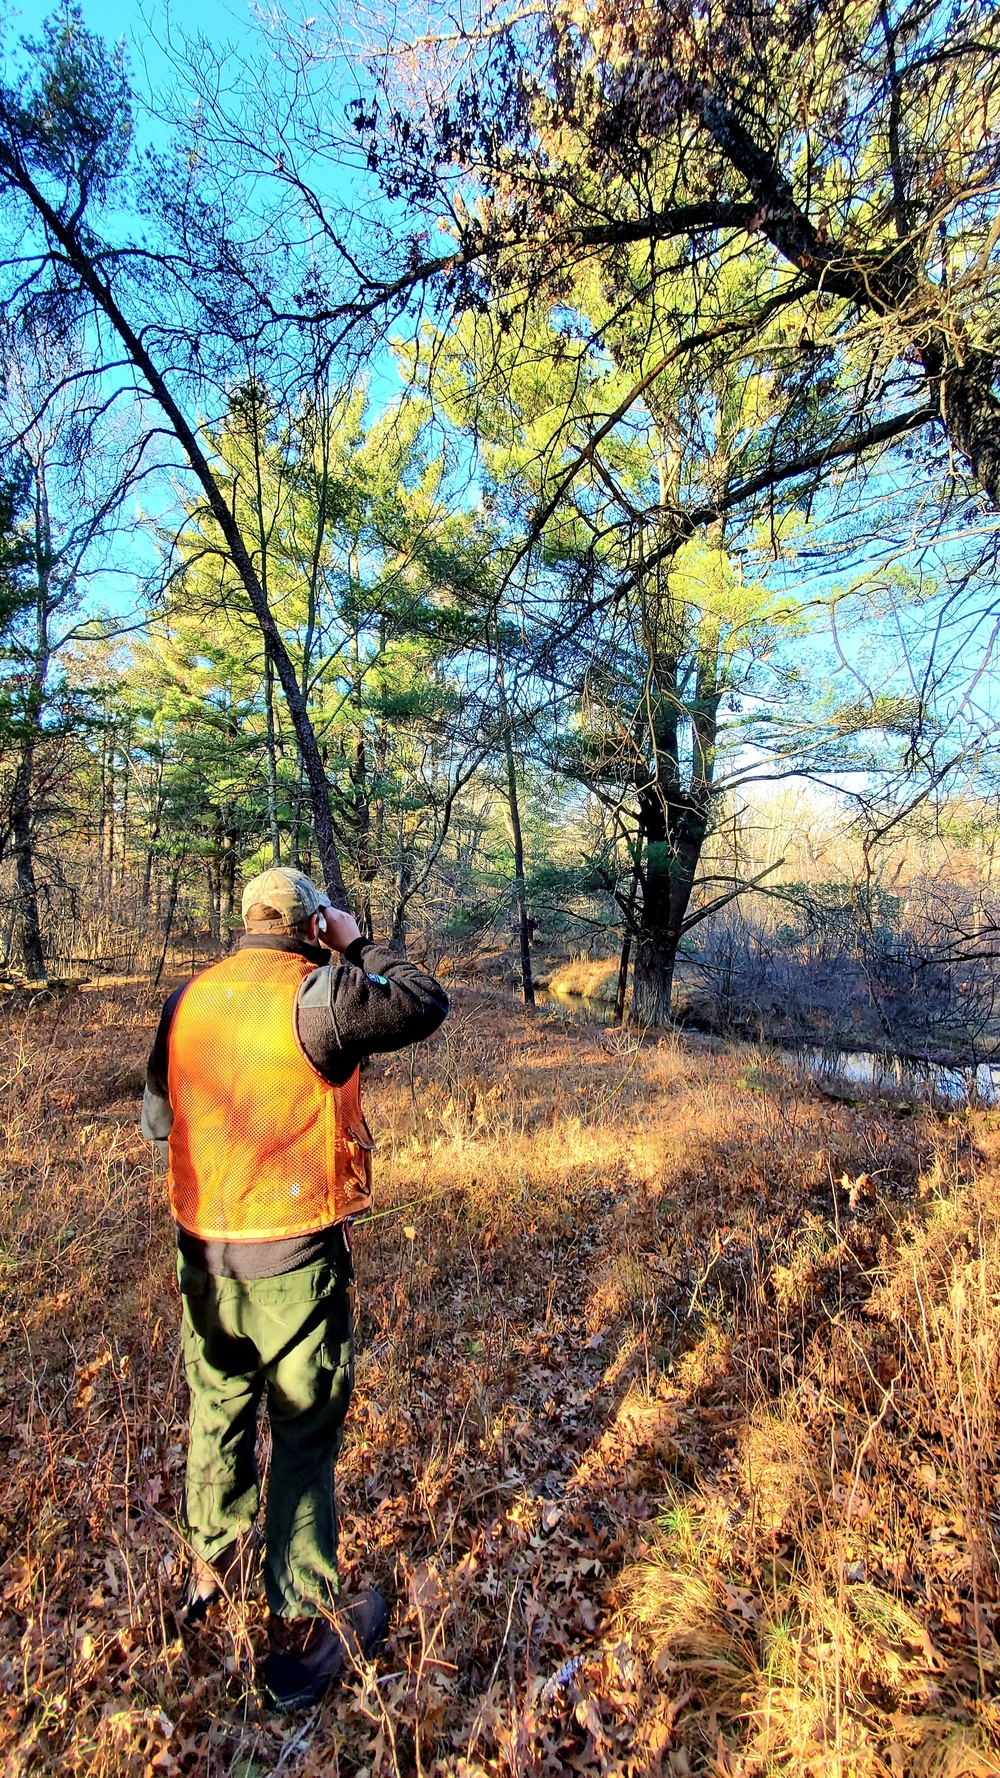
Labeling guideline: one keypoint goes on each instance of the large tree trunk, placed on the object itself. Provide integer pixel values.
(674, 838)
(29, 933)
(653, 975)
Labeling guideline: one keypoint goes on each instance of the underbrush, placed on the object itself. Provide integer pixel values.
(674, 1438)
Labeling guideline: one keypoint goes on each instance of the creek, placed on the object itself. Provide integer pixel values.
(903, 1077)
(893, 1076)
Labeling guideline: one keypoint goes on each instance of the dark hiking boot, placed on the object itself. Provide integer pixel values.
(308, 1654)
(205, 1582)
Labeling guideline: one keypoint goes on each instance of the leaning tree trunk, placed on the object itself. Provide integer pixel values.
(67, 232)
(961, 375)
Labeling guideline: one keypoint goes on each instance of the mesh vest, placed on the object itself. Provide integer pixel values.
(262, 1147)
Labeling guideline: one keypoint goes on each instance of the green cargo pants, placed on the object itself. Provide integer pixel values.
(293, 1336)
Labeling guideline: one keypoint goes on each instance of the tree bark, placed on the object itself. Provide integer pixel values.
(516, 832)
(365, 859)
(212, 882)
(970, 411)
(29, 931)
(107, 818)
(123, 825)
(653, 975)
(22, 800)
(520, 897)
(272, 760)
(154, 834)
(295, 816)
(626, 949)
(675, 835)
(404, 881)
(254, 414)
(168, 923)
(227, 887)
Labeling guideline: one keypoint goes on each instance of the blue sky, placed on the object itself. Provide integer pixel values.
(146, 25)
(142, 25)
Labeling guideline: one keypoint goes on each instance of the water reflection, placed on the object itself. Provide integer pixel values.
(577, 1007)
(893, 1075)
(907, 1079)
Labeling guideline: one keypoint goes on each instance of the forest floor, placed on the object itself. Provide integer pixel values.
(674, 1441)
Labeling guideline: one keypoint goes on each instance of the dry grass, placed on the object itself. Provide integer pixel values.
(674, 1455)
(593, 979)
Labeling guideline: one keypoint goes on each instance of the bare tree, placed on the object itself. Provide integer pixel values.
(76, 472)
(165, 319)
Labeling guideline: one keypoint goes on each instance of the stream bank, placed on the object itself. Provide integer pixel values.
(947, 1082)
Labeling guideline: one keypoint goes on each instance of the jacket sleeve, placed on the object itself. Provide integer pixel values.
(368, 1002)
(157, 1119)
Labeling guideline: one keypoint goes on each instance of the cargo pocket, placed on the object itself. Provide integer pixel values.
(191, 1280)
(337, 1359)
(336, 1356)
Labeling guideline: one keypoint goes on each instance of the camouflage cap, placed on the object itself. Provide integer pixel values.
(289, 892)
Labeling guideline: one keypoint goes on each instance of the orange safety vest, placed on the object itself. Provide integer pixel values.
(262, 1147)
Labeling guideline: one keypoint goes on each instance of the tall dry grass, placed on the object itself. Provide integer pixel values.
(587, 977)
(674, 1437)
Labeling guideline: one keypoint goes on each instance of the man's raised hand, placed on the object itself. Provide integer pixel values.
(336, 928)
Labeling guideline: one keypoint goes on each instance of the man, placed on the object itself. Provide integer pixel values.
(252, 1098)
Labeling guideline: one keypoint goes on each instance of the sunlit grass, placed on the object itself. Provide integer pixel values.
(670, 1459)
